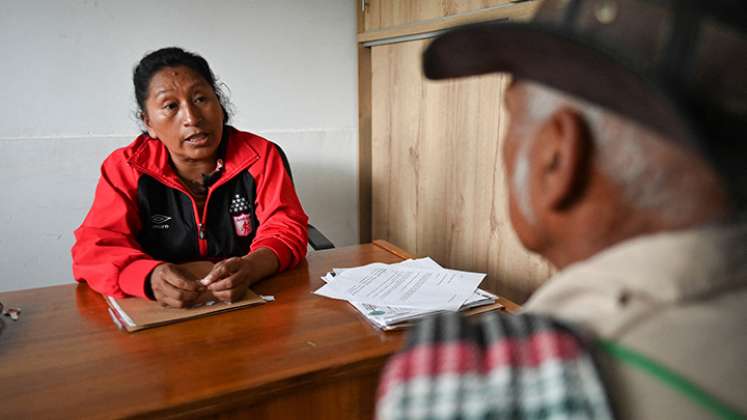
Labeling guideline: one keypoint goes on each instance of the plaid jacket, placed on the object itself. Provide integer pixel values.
(496, 367)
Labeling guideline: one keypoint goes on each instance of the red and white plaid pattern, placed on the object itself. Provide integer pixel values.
(498, 366)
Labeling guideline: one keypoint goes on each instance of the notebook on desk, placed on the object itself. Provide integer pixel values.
(134, 314)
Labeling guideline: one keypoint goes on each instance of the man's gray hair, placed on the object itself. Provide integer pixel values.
(624, 151)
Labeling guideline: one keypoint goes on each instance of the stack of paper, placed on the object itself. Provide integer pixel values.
(391, 295)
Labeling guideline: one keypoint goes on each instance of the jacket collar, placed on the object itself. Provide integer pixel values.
(152, 157)
(666, 267)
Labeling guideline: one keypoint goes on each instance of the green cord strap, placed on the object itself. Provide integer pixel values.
(672, 379)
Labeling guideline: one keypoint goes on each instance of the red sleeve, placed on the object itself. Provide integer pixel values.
(282, 221)
(106, 254)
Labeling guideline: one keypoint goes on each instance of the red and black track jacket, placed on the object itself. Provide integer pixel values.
(143, 216)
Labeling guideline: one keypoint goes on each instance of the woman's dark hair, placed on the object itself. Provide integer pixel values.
(154, 61)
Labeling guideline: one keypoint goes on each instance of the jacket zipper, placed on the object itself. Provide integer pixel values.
(201, 230)
(202, 245)
(201, 236)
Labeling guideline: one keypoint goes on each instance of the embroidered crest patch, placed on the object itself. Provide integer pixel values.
(242, 224)
(241, 215)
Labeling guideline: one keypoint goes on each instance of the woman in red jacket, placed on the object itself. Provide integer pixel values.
(190, 189)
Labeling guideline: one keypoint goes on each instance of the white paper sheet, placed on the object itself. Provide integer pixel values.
(479, 297)
(398, 285)
(387, 317)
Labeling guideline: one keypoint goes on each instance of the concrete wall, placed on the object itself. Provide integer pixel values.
(67, 102)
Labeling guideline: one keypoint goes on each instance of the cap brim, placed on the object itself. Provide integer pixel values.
(557, 59)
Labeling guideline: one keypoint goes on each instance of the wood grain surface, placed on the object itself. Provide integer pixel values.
(394, 18)
(364, 144)
(438, 187)
(382, 14)
(302, 356)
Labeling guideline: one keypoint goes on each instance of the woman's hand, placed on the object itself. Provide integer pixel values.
(176, 285)
(229, 279)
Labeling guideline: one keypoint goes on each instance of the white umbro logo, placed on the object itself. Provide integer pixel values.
(159, 221)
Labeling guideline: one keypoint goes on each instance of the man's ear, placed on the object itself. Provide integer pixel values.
(559, 159)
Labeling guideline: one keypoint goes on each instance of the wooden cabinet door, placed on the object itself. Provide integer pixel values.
(438, 187)
(385, 14)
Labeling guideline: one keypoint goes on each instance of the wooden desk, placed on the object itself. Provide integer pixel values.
(302, 356)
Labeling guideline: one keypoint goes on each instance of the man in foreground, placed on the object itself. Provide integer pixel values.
(625, 158)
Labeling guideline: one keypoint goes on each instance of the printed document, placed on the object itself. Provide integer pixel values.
(398, 285)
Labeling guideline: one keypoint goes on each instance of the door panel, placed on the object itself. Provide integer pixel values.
(438, 187)
(383, 14)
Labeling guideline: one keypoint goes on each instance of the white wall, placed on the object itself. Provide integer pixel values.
(67, 101)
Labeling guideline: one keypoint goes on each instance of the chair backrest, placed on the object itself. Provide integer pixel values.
(317, 240)
(285, 161)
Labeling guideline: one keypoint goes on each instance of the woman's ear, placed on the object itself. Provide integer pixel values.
(146, 122)
(559, 159)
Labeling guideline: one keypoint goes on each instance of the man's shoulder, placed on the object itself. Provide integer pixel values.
(614, 290)
(675, 304)
(697, 341)
(700, 340)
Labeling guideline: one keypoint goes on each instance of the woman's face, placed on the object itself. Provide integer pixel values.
(183, 111)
